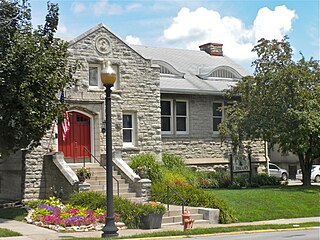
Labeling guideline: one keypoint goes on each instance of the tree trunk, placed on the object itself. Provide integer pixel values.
(306, 165)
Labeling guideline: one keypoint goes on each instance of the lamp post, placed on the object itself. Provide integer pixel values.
(108, 77)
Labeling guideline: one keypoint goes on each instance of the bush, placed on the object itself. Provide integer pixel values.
(194, 197)
(146, 165)
(90, 200)
(265, 180)
(129, 212)
(171, 161)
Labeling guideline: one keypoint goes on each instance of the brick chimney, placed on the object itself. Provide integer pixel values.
(214, 49)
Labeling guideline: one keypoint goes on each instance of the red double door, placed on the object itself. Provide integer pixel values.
(77, 145)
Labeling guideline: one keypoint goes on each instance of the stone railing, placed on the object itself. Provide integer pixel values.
(140, 186)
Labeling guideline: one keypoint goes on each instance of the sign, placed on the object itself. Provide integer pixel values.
(241, 164)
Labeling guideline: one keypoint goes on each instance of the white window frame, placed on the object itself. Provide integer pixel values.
(100, 86)
(186, 117)
(133, 130)
(171, 116)
(217, 117)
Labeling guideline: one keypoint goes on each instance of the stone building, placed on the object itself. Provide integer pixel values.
(164, 101)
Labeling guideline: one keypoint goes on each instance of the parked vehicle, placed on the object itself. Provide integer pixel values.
(315, 173)
(276, 171)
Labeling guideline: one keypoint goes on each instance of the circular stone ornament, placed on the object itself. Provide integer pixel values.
(103, 45)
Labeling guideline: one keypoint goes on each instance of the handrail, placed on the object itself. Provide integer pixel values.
(177, 194)
(104, 167)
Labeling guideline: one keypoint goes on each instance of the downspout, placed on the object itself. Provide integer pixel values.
(266, 156)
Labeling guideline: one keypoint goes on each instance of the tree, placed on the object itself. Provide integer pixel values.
(33, 69)
(280, 104)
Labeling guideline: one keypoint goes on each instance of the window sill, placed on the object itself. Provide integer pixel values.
(130, 147)
(95, 89)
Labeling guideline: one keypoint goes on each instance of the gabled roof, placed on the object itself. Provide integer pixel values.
(96, 28)
(192, 64)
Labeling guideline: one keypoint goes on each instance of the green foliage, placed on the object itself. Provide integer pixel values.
(33, 69)
(171, 161)
(196, 198)
(90, 200)
(128, 211)
(151, 207)
(147, 166)
(16, 213)
(8, 233)
(265, 180)
(217, 179)
(279, 104)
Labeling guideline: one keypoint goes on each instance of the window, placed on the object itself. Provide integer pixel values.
(128, 128)
(174, 116)
(181, 116)
(94, 76)
(166, 116)
(217, 115)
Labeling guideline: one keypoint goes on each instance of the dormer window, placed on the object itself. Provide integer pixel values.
(168, 70)
(222, 72)
(165, 70)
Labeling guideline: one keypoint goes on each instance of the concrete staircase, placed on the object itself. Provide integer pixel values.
(98, 181)
(174, 215)
(98, 184)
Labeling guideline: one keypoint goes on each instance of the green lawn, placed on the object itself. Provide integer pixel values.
(8, 233)
(272, 203)
(13, 213)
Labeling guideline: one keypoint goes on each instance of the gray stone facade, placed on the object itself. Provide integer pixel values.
(200, 146)
(137, 92)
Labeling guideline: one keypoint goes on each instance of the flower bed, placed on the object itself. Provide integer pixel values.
(53, 214)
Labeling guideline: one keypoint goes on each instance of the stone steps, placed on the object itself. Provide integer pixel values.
(174, 215)
(98, 180)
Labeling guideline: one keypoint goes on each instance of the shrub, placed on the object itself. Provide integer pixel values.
(147, 208)
(90, 200)
(196, 198)
(129, 212)
(218, 179)
(264, 179)
(146, 165)
(171, 161)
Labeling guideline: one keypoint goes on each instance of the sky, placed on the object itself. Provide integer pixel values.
(187, 24)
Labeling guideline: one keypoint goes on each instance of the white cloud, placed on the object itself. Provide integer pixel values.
(103, 7)
(62, 29)
(273, 24)
(133, 40)
(190, 29)
(78, 7)
(134, 6)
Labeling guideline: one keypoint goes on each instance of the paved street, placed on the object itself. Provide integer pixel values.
(312, 234)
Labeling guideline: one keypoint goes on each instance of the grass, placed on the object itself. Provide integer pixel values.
(201, 231)
(272, 202)
(13, 213)
(8, 233)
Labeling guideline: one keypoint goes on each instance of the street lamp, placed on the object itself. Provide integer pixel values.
(108, 77)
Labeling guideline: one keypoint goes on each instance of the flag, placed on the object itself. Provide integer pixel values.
(65, 126)
(62, 97)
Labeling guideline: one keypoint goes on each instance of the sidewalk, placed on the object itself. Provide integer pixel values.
(32, 232)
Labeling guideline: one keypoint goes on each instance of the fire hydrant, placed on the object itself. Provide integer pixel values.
(187, 220)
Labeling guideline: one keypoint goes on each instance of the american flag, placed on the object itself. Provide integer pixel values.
(66, 121)
(65, 126)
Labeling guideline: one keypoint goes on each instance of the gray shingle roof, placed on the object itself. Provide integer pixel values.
(190, 62)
